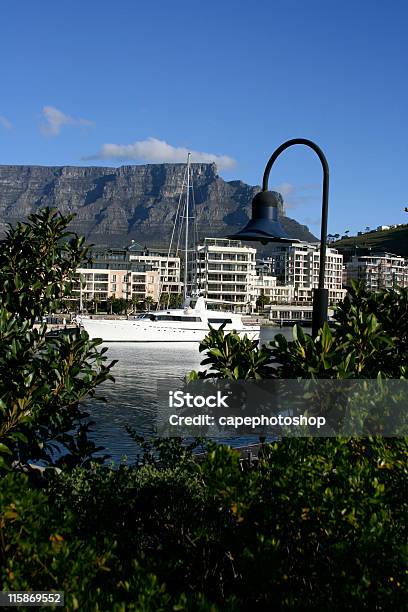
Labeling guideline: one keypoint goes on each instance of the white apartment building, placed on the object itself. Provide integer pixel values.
(168, 269)
(269, 287)
(377, 271)
(225, 274)
(297, 265)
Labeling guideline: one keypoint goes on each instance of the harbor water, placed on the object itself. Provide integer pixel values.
(131, 399)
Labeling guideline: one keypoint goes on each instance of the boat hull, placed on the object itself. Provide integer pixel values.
(134, 331)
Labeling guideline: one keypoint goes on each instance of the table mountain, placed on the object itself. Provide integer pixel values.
(116, 205)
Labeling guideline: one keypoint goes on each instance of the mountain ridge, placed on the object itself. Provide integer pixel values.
(114, 205)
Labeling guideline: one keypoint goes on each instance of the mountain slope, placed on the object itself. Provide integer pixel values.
(391, 241)
(116, 205)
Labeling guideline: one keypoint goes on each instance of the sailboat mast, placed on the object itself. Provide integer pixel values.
(187, 213)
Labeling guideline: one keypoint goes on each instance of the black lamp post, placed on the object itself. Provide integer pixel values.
(265, 226)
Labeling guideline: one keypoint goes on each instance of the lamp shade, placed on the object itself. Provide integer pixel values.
(264, 226)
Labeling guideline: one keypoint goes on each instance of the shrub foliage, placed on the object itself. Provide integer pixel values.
(320, 524)
(43, 379)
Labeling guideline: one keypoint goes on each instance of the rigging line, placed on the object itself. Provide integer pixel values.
(195, 236)
(180, 236)
(179, 220)
(180, 229)
(171, 245)
(187, 228)
(182, 216)
(181, 226)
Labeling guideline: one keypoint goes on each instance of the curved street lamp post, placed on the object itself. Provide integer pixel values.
(265, 226)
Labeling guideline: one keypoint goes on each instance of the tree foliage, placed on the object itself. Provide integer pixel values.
(319, 524)
(38, 262)
(171, 300)
(43, 379)
(118, 305)
(262, 301)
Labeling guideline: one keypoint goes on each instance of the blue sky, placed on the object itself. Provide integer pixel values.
(222, 78)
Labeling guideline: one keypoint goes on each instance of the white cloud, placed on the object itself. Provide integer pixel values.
(297, 195)
(285, 189)
(54, 120)
(5, 123)
(311, 221)
(157, 151)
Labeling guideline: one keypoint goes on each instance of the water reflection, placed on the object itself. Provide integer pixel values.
(131, 399)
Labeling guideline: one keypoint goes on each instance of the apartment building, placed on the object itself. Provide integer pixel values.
(297, 265)
(128, 273)
(225, 271)
(225, 274)
(377, 271)
(274, 292)
(167, 267)
(101, 284)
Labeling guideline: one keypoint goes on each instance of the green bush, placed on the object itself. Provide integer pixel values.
(43, 379)
(320, 524)
(41, 550)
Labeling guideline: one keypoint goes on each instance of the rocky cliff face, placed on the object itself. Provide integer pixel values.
(116, 205)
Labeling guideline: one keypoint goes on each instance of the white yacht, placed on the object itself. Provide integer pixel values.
(188, 324)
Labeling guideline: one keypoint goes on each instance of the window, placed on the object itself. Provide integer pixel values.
(220, 321)
(174, 318)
